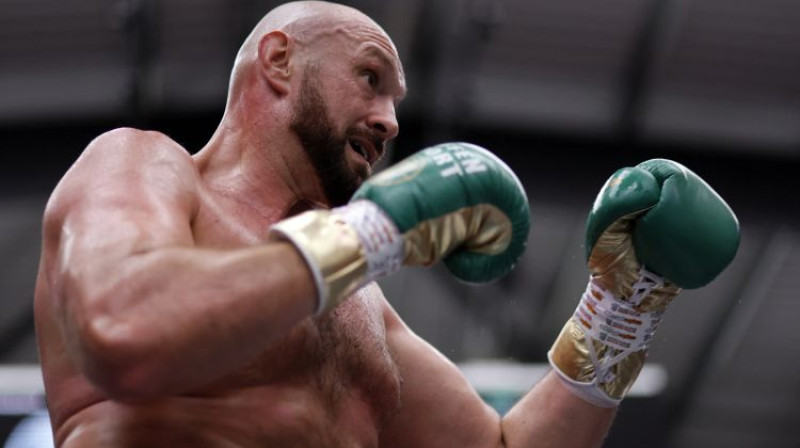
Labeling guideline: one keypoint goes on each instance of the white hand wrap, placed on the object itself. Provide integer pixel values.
(380, 238)
(344, 248)
(616, 324)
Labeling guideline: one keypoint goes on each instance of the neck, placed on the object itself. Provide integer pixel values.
(265, 169)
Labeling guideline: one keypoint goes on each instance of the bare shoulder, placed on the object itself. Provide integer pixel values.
(128, 149)
(440, 408)
(132, 138)
(125, 159)
(126, 178)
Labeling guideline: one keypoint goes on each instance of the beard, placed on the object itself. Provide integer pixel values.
(326, 149)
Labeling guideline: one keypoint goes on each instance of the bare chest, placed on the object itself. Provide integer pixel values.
(337, 358)
(331, 381)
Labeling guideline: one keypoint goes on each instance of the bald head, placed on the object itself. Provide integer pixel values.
(320, 83)
(306, 23)
(305, 20)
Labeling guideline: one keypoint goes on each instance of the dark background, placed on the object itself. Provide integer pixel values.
(566, 91)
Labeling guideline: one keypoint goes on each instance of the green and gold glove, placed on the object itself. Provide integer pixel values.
(653, 230)
(456, 201)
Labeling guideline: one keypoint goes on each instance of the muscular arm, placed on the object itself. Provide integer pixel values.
(440, 409)
(143, 311)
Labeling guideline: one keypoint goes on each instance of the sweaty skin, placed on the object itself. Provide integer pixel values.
(166, 319)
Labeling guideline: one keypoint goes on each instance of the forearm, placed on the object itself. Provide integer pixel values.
(172, 319)
(653, 230)
(552, 416)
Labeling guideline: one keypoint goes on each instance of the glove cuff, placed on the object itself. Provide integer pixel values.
(588, 392)
(602, 348)
(345, 248)
(381, 241)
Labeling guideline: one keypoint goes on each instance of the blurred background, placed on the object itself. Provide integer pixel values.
(566, 91)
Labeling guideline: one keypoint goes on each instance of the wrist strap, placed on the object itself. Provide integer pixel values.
(616, 322)
(344, 248)
(380, 239)
(586, 391)
(612, 330)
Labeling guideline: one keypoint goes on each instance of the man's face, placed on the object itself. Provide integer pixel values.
(325, 145)
(345, 109)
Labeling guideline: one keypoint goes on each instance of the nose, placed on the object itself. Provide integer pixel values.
(383, 120)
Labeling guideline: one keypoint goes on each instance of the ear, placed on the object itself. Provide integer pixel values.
(274, 54)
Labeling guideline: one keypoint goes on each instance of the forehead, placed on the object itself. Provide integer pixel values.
(366, 39)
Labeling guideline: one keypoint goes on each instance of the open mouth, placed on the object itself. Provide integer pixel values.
(361, 149)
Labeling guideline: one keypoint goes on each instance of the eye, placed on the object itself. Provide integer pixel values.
(371, 77)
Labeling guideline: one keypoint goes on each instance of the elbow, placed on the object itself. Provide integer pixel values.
(115, 360)
(103, 340)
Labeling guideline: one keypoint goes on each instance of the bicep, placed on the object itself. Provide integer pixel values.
(439, 407)
(120, 198)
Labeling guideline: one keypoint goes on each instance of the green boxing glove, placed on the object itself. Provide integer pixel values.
(455, 201)
(653, 230)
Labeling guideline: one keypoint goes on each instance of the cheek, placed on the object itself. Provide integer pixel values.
(345, 99)
(349, 108)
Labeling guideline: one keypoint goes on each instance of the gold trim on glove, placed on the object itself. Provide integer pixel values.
(332, 251)
(614, 268)
(484, 228)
